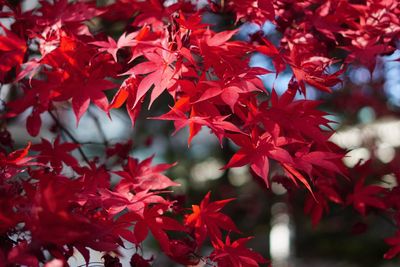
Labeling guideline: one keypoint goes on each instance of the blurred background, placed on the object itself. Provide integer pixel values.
(366, 109)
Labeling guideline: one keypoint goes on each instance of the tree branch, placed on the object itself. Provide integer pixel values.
(70, 135)
(98, 125)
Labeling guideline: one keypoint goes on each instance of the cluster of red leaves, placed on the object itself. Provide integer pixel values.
(51, 55)
(43, 210)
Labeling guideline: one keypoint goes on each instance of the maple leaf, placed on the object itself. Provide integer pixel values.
(311, 69)
(12, 163)
(217, 124)
(91, 90)
(160, 72)
(221, 56)
(317, 203)
(207, 220)
(67, 13)
(153, 220)
(39, 95)
(299, 117)
(366, 54)
(141, 176)
(125, 40)
(92, 178)
(193, 22)
(235, 254)
(56, 153)
(365, 196)
(267, 48)
(127, 93)
(256, 150)
(83, 78)
(181, 120)
(395, 243)
(50, 54)
(293, 174)
(183, 252)
(324, 159)
(12, 51)
(256, 11)
(115, 202)
(228, 93)
(112, 47)
(121, 150)
(51, 221)
(21, 254)
(315, 206)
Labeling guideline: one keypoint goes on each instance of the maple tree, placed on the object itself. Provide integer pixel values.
(56, 200)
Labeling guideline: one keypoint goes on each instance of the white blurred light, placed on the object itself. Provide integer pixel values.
(385, 152)
(280, 235)
(389, 132)
(388, 181)
(279, 241)
(278, 189)
(349, 138)
(239, 176)
(354, 156)
(206, 170)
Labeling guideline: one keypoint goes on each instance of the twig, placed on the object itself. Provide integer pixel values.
(387, 219)
(69, 134)
(98, 125)
(91, 264)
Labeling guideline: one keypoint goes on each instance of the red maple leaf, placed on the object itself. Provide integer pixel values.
(267, 48)
(12, 163)
(125, 40)
(152, 219)
(365, 196)
(311, 69)
(256, 11)
(395, 243)
(112, 47)
(207, 220)
(195, 121)
(160, 72)
(12, 51)
(256, 150)
(141, 176)
(56, 153)
(89, 91)
(127, 93)
(235, 254)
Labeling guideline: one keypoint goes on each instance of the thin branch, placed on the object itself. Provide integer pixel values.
(387, 219)
(91, 264)
(70, 135)
(92, 143)
(98, 125)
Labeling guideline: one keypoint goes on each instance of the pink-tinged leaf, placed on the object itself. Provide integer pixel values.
(221, 38)
(142, 176)
(230, 97)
